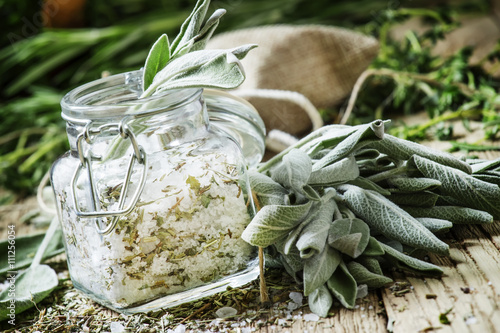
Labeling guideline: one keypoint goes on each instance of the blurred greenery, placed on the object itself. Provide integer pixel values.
(39, 65)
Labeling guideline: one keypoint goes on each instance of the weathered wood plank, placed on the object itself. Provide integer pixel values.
(467, 289)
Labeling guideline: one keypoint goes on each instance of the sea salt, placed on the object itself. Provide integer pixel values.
(296, 297)
(471, 320)
(184, 232)
(116, 327)
(225, 312)
(311, 317)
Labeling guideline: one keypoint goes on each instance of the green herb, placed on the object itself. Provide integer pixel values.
(334, 217)
(26, 247)
(33, 284)
(184, 63)
(443, 317)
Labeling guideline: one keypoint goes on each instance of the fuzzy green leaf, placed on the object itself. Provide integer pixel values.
(319, 268)
(320, 301)
(25, 249)
(201, 40)
(273, 223)
(31, 287)
(343, 286)
(393, 222)
(267, 190)
(336, 173)
(294, 170)
(372, 264)
(367, 184)
(191, 26)
(349, 236)
(470, 191)
(313, 237)
(361, 137)
(406, 262)
(205, 68)
(373, 248)
(363, 276)
(157, 58)
(411, 185)
(421, 199)
(403, 150)
(485, 166)
(454, 214)
(293, 261)
(435, 225)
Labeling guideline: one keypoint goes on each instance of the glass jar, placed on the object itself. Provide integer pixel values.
(152, 196)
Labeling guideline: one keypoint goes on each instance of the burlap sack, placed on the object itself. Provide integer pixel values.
(320, 62)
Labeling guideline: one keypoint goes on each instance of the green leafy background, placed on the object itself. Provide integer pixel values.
(39, 65)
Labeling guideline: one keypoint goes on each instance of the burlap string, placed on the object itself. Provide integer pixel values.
(322, 63)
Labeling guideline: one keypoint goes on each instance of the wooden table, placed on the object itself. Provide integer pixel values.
(465, 299)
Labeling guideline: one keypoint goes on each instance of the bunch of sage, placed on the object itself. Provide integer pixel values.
(346, 201)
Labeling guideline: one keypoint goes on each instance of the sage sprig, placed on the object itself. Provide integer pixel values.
(347, 201)
(185, 64)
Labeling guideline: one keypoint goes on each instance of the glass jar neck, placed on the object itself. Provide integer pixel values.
(166, 119)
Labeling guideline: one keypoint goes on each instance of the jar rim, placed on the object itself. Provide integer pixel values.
(118, 96)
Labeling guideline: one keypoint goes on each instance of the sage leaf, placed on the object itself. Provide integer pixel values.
(293, 264)
(201, 39)
(157, 58)
(320, 301)
(454, 214)
(313, 237)
(294, 170)
(393, 222)
(363, 276)
(191, 26)
(336, 173)
(267, 190)
(361, 137)
(405, 262)
(310, 193)
(274, 222)
(422, 199)
(373, 248)
(403, 150)
(26, 247)
(367, 184)
(343, 286)
(372, 264)
(413, 184)
(319, 268)
(317, 212)
(327, 138)
(470, 191)
(204, 68)
(349, 236)
(35, 283)
(366, 154)
(312, 143)
(485, 166)
(435, 225)
(494, 179)
(31, 286)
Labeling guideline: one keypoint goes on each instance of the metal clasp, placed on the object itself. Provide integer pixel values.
(138, 155)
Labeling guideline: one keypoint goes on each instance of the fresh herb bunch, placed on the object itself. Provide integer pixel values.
(406, 78)
(346, 201)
